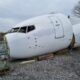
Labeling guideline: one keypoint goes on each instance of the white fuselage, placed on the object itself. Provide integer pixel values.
(52, 32)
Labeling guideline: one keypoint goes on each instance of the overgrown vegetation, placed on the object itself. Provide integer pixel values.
(76, 10)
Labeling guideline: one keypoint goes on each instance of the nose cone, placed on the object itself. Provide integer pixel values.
(17, 45)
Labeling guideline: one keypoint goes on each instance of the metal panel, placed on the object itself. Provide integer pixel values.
(58, 27)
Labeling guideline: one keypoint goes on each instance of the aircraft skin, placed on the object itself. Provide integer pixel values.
(49, 33)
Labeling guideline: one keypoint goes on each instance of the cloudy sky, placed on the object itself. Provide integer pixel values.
(15, 11)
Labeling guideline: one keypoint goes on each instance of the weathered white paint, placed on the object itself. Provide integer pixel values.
(53, 32)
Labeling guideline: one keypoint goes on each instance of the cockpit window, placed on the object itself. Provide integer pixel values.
(23, 29)
(15, 29)
(18, 29)
(30, 28)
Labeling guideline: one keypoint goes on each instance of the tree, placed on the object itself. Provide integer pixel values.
(76, 10)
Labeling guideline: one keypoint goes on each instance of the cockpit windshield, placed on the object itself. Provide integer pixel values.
(18, 29)
(23, 29)
(14, 30)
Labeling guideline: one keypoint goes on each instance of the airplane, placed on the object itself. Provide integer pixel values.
(40, 35)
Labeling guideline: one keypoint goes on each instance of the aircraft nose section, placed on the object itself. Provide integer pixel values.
(17, 45)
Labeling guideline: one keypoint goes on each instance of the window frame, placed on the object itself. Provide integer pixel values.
(19, 28)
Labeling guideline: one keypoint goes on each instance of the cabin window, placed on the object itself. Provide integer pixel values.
(30, 28)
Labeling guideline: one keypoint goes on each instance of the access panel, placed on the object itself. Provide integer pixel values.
(57, 26)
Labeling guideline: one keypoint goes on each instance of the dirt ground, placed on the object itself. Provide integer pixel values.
(64, 66)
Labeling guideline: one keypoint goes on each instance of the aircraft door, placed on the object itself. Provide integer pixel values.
(58, 27)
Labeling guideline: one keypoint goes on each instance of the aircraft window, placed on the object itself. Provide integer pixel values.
(23, 29)
(18, 29)
(30, 28)
(15, 29)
